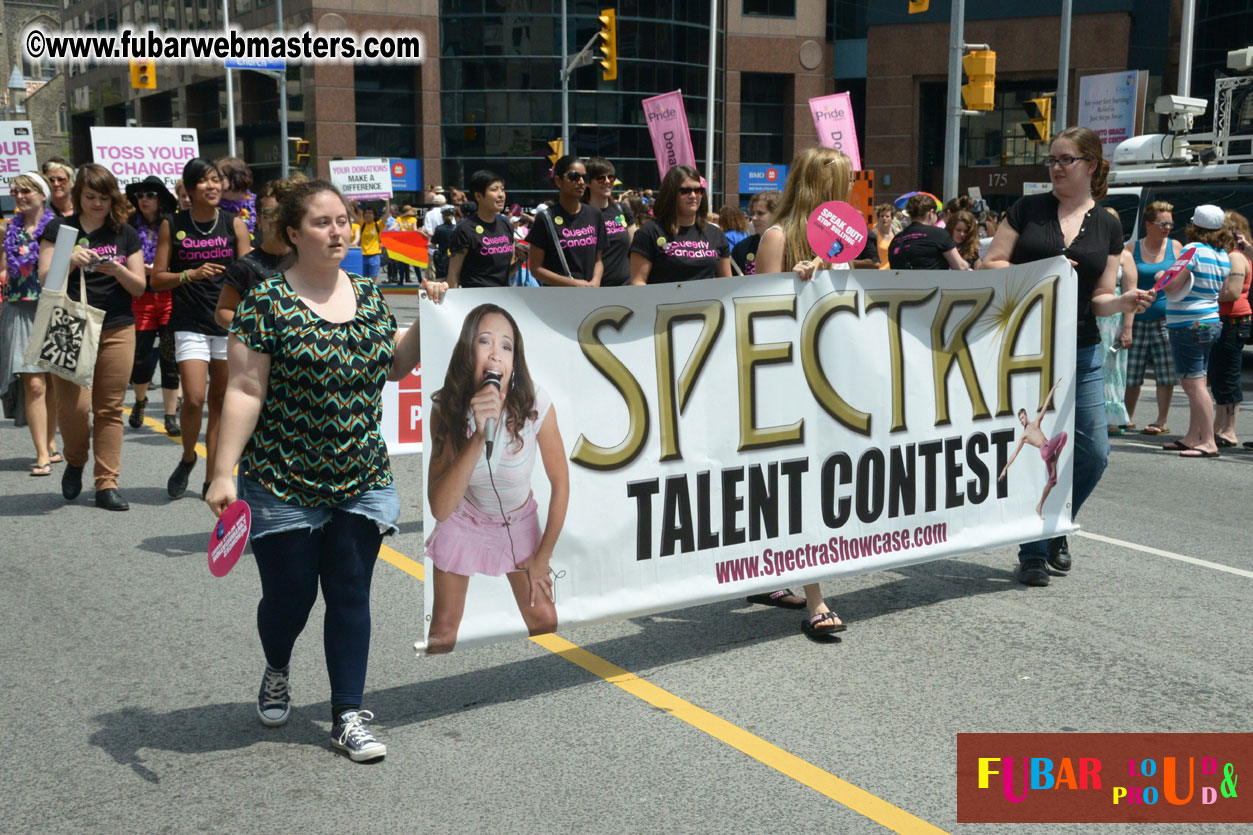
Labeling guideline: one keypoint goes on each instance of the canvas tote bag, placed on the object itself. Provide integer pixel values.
(66, 334)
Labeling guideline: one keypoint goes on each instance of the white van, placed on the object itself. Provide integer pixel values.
(1184, 187)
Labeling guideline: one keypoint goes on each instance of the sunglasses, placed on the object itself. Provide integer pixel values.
(1164, 224)
(686, 190)
(21, 192)
(575, 177)
(58, 180)
(603, 178)
(150, 195)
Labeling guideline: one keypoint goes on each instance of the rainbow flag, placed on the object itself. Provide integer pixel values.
(409, 247)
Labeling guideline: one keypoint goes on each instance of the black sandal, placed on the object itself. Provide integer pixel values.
(775, 598)
(810, 627)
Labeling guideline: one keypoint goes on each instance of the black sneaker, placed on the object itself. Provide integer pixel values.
(1059, 553)
(71, 482)
(177, 485)
(349, 734)
(171, 426)
(137, 413)
(1033, 572)
(274, 697)
(111, 499)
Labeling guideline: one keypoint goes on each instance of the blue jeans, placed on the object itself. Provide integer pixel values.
(1091, 448)
(370, 265)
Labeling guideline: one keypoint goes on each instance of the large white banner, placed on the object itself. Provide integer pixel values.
(134, 154)
(742, 435)
(17, 151)
(1111, 104)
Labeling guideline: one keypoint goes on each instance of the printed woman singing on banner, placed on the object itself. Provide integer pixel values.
(480, 486)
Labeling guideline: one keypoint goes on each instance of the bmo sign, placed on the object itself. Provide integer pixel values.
(406, 174)
(756, 178)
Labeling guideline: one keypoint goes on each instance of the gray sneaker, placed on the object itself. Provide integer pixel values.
(274, 697)
(349, 734)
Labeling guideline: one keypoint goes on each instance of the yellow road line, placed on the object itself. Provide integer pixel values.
(824, 782)
(159, 427)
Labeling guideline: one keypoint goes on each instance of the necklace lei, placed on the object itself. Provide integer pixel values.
(147, 238)
(25, 256)
(245, 209)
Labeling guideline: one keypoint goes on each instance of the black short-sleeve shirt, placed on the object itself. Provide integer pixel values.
(919, 246)
(618, 219)
(691, 254)
(194, 302)
(103, 290)
(745, 254)
(488, 249)
(247, 272)
(582, 236)
(1034, 218)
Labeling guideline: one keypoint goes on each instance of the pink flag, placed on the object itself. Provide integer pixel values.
(667, 125)
(833, 119)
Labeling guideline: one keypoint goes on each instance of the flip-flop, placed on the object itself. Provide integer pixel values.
(41, 470)
(1199, 453)
(1248, 444)
(55, 458)
(1155, 429)
(1175, 446)
(775, 598)
(1223, 443)
(809, 627)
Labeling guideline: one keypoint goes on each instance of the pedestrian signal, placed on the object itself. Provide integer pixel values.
(980, 92)
(916, 6)
(556, 147)
(1040, 112)
(300, 152)
(609, 43)
(143, 74)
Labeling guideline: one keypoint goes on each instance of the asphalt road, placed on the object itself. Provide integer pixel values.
(130, 677)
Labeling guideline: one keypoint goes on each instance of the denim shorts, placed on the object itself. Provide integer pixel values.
(370, 265)
(270, 514)
(1190, 345)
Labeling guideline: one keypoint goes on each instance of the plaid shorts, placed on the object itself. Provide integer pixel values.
(1150, 337)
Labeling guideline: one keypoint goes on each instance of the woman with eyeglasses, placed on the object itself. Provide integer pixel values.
(620, 224)
(568, 238)
(1067, 221)
(1155, 252)
(678, 245)
(60, 176)
(194, 249)
(17, 319)
(153, 203)
(108, 262)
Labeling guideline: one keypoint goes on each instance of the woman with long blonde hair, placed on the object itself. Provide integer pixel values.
(817, 175)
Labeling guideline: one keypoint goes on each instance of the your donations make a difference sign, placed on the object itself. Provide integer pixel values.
(362, 179)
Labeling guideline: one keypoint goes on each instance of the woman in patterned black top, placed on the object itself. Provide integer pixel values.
(309, 352)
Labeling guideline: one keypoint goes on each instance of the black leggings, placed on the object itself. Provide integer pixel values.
(341, 554)
(146, 357)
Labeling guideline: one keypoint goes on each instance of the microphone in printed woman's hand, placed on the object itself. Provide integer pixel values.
(490, 378)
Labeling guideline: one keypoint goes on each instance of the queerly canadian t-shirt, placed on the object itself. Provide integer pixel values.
(690, 255)
(919, 246)
(1034, 218)
(190, 247)
(618, 219)
(582, 235)
(488, 250)
(103, 290)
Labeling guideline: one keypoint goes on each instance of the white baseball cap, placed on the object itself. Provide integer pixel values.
(1208, 216)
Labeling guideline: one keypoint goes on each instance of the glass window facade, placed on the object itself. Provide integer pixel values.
(770, 8)
(997, 138)
(387, 110)
(765, 100)
(500, 75)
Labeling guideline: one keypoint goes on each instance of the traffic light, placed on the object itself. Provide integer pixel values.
(1040, 112)
(300, 152)
(556, 147)
(143, 74)
(609, 43)
(980, 92)
(916, 6)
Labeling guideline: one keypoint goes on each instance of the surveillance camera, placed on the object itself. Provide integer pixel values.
(1240, 60)
(1171, 105)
